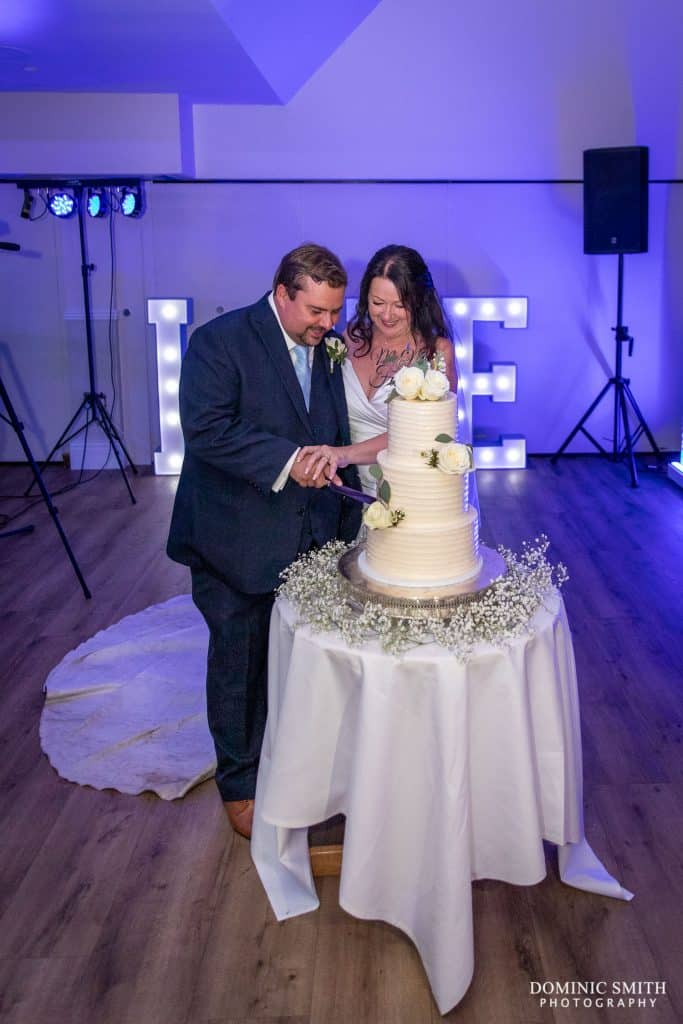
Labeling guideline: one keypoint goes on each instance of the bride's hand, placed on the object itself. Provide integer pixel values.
(323, 459)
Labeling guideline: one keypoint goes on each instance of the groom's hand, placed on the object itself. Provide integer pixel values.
(321, 461)
(300, 476)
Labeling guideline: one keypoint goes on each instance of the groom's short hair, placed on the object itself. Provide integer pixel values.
(309, 260)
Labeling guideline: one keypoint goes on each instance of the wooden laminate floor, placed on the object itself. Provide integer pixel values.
(131, 910)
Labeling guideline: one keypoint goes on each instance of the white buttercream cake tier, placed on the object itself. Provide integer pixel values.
(426, 495)
(414, 425)
(420, 555)
(408, 585)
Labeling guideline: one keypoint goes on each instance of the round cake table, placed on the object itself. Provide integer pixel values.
(446, 771)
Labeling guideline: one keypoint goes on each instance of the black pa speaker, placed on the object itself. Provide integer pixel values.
(615, 196)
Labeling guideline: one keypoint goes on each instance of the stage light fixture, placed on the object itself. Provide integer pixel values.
(26, 205)
(62, 204)
(97, 203)
(131, 201)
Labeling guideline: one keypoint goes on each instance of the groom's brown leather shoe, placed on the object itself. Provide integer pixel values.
(240, 815)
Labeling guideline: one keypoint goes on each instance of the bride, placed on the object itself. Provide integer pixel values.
(398, 320)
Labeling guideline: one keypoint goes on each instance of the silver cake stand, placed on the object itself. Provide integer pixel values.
(421, 602)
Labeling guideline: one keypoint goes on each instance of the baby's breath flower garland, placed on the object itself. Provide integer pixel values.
(497, 616)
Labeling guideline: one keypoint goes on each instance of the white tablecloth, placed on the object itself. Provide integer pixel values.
(446, 772)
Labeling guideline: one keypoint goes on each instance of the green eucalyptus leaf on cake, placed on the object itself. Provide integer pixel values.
(384, 492)
(443, 438)
(391, 396)
(422, 364)
(376, 472)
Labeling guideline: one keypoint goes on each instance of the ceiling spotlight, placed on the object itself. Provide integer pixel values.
(26, 205)
(131, 200)
(62, 204)
(98, 202)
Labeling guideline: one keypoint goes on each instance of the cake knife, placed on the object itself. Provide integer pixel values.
(349, 492)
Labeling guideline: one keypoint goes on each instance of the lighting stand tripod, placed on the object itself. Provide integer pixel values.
(12, 419)
(622, 395)
(93, 401)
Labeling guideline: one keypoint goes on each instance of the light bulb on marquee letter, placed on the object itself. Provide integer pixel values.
(169, 317)
(499, 383)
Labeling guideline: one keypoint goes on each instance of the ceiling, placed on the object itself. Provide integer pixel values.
(210, 51)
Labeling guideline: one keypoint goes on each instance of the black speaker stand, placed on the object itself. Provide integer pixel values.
(622, 396)
(93, 401)
(12, 419)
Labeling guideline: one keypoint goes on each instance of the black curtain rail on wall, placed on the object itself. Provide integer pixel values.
(34, 181)
(45, 181)
(365, 181)
(388, 181)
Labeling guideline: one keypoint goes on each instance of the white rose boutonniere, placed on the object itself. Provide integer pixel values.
(455, 458)
(336, 349)
(434, 386)
(408, 382)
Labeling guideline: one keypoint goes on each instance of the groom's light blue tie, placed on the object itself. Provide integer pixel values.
(303, 370)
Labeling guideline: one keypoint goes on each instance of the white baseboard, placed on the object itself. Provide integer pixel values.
(98, 455)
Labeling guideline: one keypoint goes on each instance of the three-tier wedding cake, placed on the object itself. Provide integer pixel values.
(422, 532)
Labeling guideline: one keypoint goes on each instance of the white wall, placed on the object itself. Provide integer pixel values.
(469, 90)
(75, 134)
(446, 90)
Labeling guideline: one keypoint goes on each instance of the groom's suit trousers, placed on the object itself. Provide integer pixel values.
(236, 675)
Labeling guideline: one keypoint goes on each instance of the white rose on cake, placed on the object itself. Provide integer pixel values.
(408, 381)
(434, 386)
(455, 458)
(377, 516)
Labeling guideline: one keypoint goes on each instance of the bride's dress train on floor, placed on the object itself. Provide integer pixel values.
(126, 710)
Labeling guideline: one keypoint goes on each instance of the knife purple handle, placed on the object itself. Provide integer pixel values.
(349, 492)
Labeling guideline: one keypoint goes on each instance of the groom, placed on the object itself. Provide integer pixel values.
(255, 387)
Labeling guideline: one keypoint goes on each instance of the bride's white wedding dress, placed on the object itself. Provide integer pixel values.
(367, 416)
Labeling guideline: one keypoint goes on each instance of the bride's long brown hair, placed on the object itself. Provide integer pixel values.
(409, 273)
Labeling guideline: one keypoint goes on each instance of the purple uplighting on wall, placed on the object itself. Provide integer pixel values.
(495, 103)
